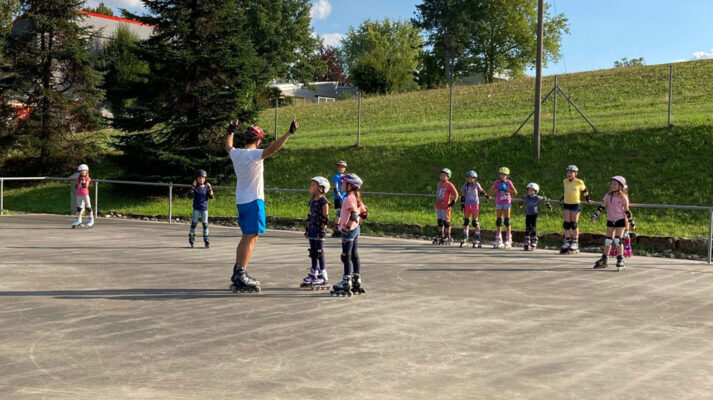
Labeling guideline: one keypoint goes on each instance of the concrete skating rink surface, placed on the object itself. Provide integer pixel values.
(128, 311)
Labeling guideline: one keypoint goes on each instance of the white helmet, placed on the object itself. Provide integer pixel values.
(322, 182)
(572, 168)
(83, 167)
(533, 186)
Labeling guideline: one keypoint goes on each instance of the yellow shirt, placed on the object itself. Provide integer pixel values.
(572, 190)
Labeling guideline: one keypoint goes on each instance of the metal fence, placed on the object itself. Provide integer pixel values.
(171, 185)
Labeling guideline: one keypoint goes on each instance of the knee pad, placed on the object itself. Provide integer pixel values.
(345, 257)
(312, 252)
(498, 222)
(507, 222)
(565, 225)
(205, 226)
(572, 225)
(79, 209)
(465, 221)
(607, 242)
(193, 225)
(440, 222)
(319, 253)
(476, 223)
(89, 209)
(617, 240)
(446, 224)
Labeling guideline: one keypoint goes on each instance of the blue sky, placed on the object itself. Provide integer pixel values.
(602, 31)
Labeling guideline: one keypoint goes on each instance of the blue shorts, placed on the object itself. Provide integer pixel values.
(251, 217)
(571, 207)
(505, 206)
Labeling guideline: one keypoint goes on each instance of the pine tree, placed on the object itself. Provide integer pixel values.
(53, 73)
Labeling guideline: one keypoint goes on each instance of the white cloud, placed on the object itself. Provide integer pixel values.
(703, 55)
(320, 9)
(332, 39)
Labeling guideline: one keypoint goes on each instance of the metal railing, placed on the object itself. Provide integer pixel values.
(171, 185)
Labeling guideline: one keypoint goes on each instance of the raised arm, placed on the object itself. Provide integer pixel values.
(276, 146)
(232, 128)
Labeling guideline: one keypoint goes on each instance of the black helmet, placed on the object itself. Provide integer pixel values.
(201, 172)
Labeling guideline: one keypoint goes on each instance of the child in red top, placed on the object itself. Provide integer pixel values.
(446, 197)
(83, 181)
(616, 204)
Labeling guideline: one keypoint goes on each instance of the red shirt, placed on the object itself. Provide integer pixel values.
(444, 191)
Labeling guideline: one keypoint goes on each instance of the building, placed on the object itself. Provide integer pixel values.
(319, 92)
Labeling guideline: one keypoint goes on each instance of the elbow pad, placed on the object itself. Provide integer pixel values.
(354, 216)
(364, 215)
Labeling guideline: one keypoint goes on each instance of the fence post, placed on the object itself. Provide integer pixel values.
(96, 199)
(710, 235)
(670, 90)
(277, 107)
(170, 201)
(554, 114)
(358, 118)
(2, 196)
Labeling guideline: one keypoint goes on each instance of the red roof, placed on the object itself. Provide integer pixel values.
(128, 21)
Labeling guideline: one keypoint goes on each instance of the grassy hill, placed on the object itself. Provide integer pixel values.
(404, 145)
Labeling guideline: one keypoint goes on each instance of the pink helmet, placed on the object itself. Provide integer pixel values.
(352, 179)
(620, 179)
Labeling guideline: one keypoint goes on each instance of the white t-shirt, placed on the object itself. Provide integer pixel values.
(249, 172)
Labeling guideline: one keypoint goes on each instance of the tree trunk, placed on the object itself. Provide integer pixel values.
(46, 46)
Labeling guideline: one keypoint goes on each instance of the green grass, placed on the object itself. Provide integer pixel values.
(404, 146)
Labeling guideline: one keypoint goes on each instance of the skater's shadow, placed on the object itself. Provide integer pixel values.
(152, 294)
(89, 247)
(534, 270)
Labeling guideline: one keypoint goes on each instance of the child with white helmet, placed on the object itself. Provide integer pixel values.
(202, 191)
(446, 197)
(470, 205)
(530, 202)
(353, 212)
(316, 229)
(504, 189)
(573, 189)
(83, 200)
(616, 204)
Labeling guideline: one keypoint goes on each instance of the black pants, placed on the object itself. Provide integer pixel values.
(350, 256)
(531, 225)
(315, 245)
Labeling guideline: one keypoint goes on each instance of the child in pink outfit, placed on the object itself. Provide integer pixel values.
(83, 200)
(616, 204)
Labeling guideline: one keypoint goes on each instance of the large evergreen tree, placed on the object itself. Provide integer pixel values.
(122, 68)
(52, 72)
(207, 63)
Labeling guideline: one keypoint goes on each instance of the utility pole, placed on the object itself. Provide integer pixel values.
(538, 80)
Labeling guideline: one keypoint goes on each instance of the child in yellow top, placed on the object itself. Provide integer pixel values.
(573, 189)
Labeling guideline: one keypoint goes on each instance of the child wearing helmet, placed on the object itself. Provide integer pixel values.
(616, 204)
(573, 189)
(446, 197)
(83, 200)
(316, 229)
(202, 191)
(352, 214)
(338, 194)
(504, 189)
(530, 201)
(470, 205)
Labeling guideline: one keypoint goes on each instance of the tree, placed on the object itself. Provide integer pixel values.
(382, 56)
(488, 36)
(504, 36)
(102, 9)
(446, 24)
(202, 72)
(52, 73)
(282, 37)
(625, 62)
(122, 68)
(8, 10)
(333, 71)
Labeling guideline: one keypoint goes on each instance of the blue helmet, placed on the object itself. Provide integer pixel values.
(471, 174)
